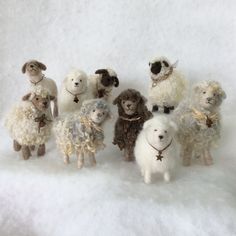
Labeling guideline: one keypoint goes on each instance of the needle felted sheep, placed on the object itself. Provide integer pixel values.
(30, 122)
(34, 70)
(167, 86)
(198, 119)
(132, 114)
(81, 132)
(102, 83)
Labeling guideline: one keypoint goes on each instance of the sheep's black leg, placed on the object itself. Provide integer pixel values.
(166, 110)
(16, 146)
(155, 108)
(41, 150)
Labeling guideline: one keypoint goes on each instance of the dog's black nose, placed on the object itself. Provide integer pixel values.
(161, 137)
(31, 66)
(209, 99)
(76, 83)
(128, 105)
(99, 114)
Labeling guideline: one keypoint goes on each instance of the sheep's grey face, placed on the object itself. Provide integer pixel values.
(159, 135)
(210, 98)
(98, 115)
(76, 84)
(129, 106)
(33, 69)
(159, 68)
(41, 103)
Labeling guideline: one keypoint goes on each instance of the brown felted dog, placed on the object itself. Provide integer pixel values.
(132, 114)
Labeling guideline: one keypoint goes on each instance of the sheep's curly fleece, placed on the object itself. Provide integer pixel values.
(193, 131)
(21, 124)
(76, 133)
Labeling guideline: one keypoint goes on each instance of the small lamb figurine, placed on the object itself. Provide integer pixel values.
(167, 86)
(34, 70)
(132, 114)
(30, 122)
(102, 83)
(81, 132)
(198, 119)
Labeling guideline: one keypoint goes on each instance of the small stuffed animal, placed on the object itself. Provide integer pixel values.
(132, 114)
(34, 70)
(73, 92)
(81, 132)
(102, 83)
(167, 87)
(30, 122)
(155, 150)
(198, 119)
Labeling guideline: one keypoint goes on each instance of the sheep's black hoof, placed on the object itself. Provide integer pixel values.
(155, 108)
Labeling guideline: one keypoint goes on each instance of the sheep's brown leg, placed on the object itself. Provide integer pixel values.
(66, 159)
(186, 154)
(92, 159)
(16, 146)
(80, 157)
(26, 152)
(32, 147)
(41, 150)
(207, 158)
(55, 108)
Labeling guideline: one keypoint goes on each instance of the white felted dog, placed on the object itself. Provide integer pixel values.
(167, 86)
(73, 92)
(155, 148)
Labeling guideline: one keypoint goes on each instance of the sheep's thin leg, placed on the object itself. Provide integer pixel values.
(92, 159)
(66, 159)
(26, 152)
(32, 147)
(80, 160)
(16, 146)
(41, 150)
(207, 158)
(186, 154)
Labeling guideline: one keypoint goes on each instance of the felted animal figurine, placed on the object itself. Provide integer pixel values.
(29, 123)
(81, 133)
(199, 121)
(73, 92)
(155, 149)
(132, 114)
(167, 86)
(34, 70)
(102, 83)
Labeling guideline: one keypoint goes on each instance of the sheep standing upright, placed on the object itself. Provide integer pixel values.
(81, 132)
(30, 122)
(198, 120)
(167, 86)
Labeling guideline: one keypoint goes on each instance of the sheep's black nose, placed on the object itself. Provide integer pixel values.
(161, 137)
(31, 66)
(76, 83)
(99, 114)
(45, 103)
(209, 99)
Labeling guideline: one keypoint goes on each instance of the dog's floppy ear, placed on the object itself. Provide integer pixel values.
(116, 101)
(23, 69)
(101, 71)
(41, 65)
(116, 81)
(26, 97)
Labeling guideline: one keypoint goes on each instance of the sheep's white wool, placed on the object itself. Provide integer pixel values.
(168, 92)
(70, 91)
(147, 144)
(22, 126)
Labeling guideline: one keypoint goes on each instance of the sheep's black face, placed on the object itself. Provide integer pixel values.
(159, 66)
(107, 80)
(41, 103)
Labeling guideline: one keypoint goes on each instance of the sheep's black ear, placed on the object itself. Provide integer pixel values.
(116, 81)
(41, 65)
(26, 97)
(149, 63)
(23, 69)
(101, 71)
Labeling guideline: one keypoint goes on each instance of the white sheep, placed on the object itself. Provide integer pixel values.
(29, 123)
(81, 132)
(167, 86)
(198, 119)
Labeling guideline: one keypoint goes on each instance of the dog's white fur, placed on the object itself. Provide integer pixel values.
(146, 155)
(168, 92)
(95, 84)
(66, 99)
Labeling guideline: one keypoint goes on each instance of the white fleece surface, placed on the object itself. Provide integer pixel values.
(42, 196)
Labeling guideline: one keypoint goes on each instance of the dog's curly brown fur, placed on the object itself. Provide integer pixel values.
(127, 127)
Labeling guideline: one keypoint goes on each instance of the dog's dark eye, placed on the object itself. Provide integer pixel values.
(103, 113)
(165, 131)
(37, 99)
(214, 94)
(93, 110)
(204, 92)
(80, 80)
(155, 130)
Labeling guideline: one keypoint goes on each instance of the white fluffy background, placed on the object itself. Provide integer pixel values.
(42, 196)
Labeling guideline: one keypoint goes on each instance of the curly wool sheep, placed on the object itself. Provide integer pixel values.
(30, 122)
(167, 87)
(81, 133)
(198, 120)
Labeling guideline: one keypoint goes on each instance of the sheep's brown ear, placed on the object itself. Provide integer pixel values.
(26, 97)
(51, 98)
(23, 69)
(41, 65)
(116, 100)
(101, 71)
(116, 81)
(149, 63)
(223, 94)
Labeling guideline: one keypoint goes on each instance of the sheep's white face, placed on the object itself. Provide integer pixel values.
(98, 115)
(159, 134)
(209, 97)
(76, 84)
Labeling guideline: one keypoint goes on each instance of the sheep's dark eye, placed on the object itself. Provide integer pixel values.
(37, 99)
(165, 63)
(155, 130)
(214, 94)
(204, 92)
(72, 80)
(80, 80)
(103, 113)
(165, 131)
(93, 110)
